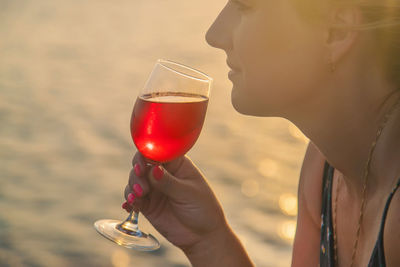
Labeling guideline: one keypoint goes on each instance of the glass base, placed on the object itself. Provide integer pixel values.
(126, 234)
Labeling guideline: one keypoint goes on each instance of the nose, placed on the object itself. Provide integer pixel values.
(219, 34)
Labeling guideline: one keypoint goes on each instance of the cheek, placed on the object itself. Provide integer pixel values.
(279, 65)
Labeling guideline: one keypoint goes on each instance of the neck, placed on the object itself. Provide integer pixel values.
(345, 129)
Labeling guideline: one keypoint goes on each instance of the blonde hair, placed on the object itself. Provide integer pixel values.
(380, 17)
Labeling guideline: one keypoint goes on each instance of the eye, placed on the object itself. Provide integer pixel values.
(240, 5)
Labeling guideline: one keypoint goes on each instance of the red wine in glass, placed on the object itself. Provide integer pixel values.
(166, 121)
(166, 125)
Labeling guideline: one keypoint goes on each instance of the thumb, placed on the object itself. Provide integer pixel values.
(163, 181)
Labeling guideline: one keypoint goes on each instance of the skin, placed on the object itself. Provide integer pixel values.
(281, 66)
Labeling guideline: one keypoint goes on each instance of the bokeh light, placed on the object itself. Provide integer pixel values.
(250, 188)
(268, 167)
(287, 230)
(288, 204)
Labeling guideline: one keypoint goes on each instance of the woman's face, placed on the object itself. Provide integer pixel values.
(278, 60)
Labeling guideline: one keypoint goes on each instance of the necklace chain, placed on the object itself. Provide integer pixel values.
(364, 190)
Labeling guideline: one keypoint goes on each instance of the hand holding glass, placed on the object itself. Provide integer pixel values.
(166, 121)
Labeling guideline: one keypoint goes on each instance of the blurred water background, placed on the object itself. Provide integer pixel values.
(69, 74)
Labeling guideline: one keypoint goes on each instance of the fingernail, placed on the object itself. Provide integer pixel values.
(125, 205)
(158, 173)
(138, 190)
(131, 198)
(137, 169)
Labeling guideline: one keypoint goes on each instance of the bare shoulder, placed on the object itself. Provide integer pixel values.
(310, 184)
(307, 239)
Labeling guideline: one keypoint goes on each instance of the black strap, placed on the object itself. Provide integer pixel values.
(378, 254)
(327, 246)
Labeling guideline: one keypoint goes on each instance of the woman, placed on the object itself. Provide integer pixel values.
(330, 67)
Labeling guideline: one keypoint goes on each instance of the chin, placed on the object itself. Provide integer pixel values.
(248, 107)
(264, 104)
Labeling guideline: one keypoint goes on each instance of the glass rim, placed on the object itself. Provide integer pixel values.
(166, 62)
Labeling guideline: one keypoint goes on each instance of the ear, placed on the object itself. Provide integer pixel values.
(339, 40)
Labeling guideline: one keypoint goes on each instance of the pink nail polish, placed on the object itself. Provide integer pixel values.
(158, 173)
(138, 190)
(131, 198)
(137, 169)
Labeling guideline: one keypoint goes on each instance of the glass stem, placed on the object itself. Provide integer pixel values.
(133, 217)
(130, 225)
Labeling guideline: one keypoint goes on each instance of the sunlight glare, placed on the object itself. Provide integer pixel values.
(150, 146)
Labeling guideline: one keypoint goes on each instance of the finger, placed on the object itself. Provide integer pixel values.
(126, 207)
(141, 162)
(173, 166)
(137, 183)
(161, 180)
(138, 205)
(129, 204)
(184, 169)
(134, 203)
(127, 191)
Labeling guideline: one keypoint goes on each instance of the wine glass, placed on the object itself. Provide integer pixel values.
(166, 121)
